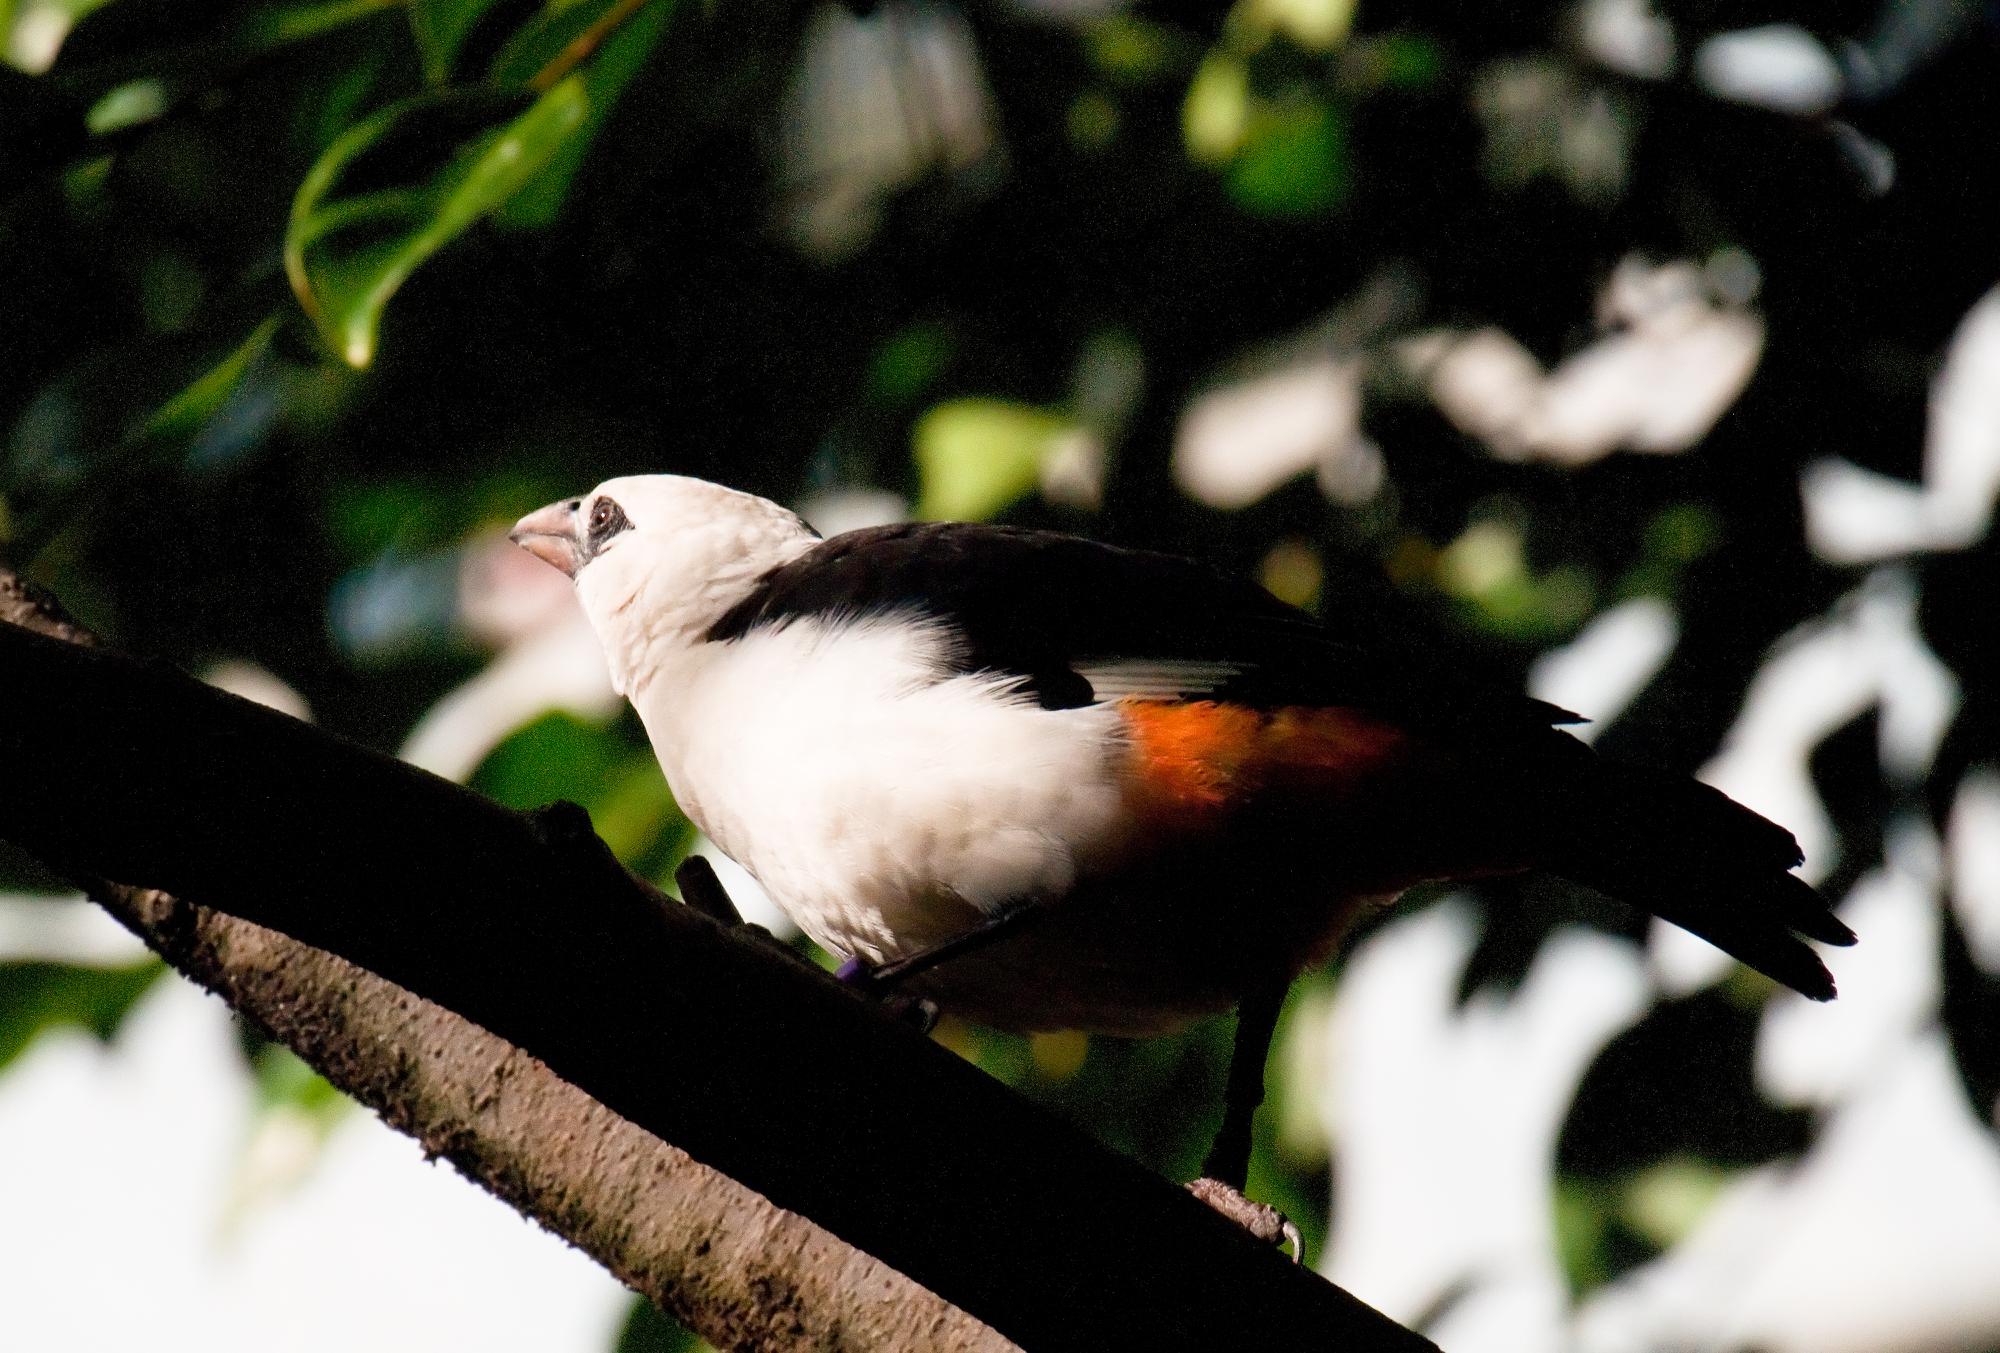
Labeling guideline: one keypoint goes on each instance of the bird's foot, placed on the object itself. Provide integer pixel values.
(1261, 1220)
(919, 1012)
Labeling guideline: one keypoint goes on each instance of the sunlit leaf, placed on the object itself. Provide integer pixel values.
(1664, 1202)
(558, 756)
(348, 255)
(126, 106)
(633, 807)
(1317, 24)
(1215, 117)
(976, 456)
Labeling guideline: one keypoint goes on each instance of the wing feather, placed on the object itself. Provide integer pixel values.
(1079, 622)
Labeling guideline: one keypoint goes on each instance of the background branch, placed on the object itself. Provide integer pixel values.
(760, 1068)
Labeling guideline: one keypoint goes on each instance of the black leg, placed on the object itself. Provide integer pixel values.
(987, 932)
(917, 1010)
(1256, 1020)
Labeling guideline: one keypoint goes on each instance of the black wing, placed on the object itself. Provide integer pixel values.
(1078, 621)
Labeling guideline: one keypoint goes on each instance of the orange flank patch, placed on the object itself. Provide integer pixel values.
(1191, 756)
(1199, 759)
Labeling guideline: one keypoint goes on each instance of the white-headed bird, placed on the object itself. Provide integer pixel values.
(1055, 784)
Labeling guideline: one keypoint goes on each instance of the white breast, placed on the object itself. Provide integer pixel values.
(882, 801)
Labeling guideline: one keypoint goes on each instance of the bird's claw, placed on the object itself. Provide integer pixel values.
(919, 1012)
(1261, 1220)
(862, 978)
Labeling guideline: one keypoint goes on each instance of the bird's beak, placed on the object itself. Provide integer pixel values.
(549, 533)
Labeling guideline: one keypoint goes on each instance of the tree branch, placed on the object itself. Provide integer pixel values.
(754, 1065)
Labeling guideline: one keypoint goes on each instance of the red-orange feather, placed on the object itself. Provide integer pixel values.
(1197, 758)
(1402, 806)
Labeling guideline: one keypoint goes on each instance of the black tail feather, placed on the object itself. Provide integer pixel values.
(1805, 911)
(1694, 856)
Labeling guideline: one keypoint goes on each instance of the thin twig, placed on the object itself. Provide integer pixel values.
(581, 47)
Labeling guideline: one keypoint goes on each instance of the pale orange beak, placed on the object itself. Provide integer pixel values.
(551, 535)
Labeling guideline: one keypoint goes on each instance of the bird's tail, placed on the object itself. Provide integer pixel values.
(1698, 858)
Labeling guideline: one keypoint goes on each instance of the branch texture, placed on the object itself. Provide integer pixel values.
(776, 1080)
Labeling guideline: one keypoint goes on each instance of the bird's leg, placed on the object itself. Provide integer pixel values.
(1227, 1166)
(899, 1005)
(987, 932)
(916, 1009)
(1256, 1020)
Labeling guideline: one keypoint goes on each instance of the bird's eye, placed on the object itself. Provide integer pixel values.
(607, 519)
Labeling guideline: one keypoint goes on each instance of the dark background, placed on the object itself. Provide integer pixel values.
(942, 252)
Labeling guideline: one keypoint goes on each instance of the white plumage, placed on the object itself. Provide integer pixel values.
(883, 802)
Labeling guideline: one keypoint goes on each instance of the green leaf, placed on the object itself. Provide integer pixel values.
(613, 66)
(1582, 1209)
(913, 359)
(128, 105)
(347, 256)
(559, 756)
(1408, 60)
(1665, 1202)
(1293, 161)
(38, 996)
(189, 411)
(1131, 50)
(649, 1330)
(441, 28)
(282, 25)
(1215, 116)
(284, 1081)
(977, 456)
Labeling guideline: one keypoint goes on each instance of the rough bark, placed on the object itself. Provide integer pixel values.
(739, 1270)
(785, 1098)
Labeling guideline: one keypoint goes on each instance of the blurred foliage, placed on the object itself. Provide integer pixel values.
(38, 996)
(648, 1330)
(302, 296)
(559, 756)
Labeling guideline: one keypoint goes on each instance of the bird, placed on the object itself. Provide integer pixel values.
(1050, 783)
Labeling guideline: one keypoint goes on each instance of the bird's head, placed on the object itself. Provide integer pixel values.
(657, 559)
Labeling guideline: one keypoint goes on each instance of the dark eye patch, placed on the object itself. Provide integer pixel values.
(607, 519)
